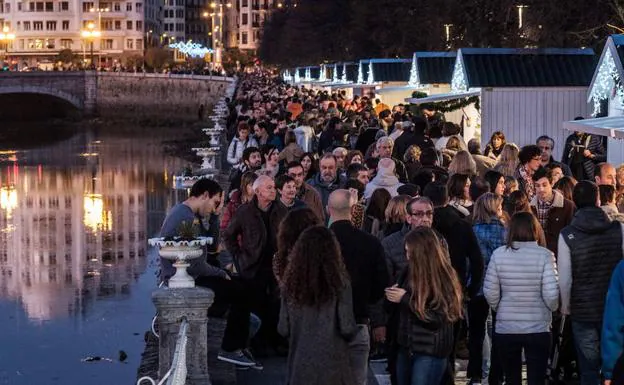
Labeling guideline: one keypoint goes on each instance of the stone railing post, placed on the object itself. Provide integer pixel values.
(172, 305)
(90, 92)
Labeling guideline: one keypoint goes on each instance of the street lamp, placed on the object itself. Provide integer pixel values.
(90, 34)
(6, 36)
(217, 41)
(521, 9)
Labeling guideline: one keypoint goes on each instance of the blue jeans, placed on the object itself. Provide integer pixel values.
(419, 369)
(587, 342)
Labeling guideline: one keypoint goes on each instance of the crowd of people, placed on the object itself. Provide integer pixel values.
(355, 232)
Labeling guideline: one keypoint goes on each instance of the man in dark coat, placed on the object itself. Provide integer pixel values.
(589, 250)
(582, 152)
(365, 262)
(415, 135)
(547, 145)
(251, 238)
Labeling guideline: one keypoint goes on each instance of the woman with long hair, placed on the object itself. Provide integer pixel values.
(463, 163)
(270, 161)
(353, 156)
(309, 164)
(518, 201)
(565, 186)
(295, 223)
(521, 287)
(316, 314)
(292, 152)
(495, 146)
(488, 225)
(428, 298)
(508, 160)
(458, 187)
(375, 218)
(238, 197)
(396, 214)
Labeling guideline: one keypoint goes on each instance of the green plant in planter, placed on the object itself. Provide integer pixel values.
(186, 232)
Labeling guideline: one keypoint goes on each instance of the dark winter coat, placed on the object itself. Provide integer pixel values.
(559, 216)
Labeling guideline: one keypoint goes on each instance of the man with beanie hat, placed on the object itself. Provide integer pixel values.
(385, 178)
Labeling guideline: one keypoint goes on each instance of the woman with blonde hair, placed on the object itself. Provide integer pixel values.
(488, 225)
(508, 160)
(521, 287)
(428, 298)
(396, 214)
(463, 163)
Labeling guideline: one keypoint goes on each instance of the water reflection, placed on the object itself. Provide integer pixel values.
(73, 221)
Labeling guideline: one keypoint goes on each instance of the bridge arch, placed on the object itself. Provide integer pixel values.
(71, 99)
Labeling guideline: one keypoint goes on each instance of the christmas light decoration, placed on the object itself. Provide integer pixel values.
(459, 82)
(360, 78)
(308, 75)
(607, 83)
(191, 49)
(297, 76)
(344, 74)
(335, 78)
(323, 75)
(371, 74)
(414, 81)
(287, 76)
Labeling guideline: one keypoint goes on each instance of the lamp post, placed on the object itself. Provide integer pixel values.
(99, 25)
(217, 40)
(90, 34)
(521, 9)
(6, 37)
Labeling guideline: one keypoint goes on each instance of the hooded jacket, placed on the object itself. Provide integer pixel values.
(591, 247)
(324, 189)
(236, 148)
(385, 179)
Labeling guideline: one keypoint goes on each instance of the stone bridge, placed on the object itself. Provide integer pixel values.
(125, 95)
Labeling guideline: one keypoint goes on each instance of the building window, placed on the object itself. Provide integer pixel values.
(245, 19)
(27, 26)
(139, 7)
(179, 27)
(38, 25)
(49, 6)
(129, 44)
(139, 25)
(65, 25)
(117, 24)
(244, 38)
(107, 44)
(87, 6)
(129, 25)
(166, 27)
(49, 43)
(180, 13)
(21, 44)
(108, 25)
(129, 7)
(139, 43)
(7, 7)
(117, 7)
(245, 3)
(19, 6)
(39, 6)
(64, 6)
(50, 25)
(66, 43)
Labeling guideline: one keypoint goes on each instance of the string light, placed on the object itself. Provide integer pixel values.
(360, 78)
(287, 76)
(191, 49)
(335, 78)
(607, 79)
(297, 76)
(414, 81)
(308, 75)
(371, 74)
(344, 74)
(323, 75)
(458, 81)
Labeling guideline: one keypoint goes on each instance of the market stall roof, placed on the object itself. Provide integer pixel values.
(432, 68)
(507, 67)
(442, 97)
(388, 70)
(612, 126)
(344, 74)
(608, 72)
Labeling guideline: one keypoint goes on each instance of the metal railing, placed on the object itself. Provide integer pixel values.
(176, 375)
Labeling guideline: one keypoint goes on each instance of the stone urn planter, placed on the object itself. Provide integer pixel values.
(180, 251)
(208, 155)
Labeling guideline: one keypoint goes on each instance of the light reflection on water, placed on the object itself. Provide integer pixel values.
(75, 275)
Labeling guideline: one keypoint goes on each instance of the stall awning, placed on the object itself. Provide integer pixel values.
(387, 90)
(442, 97)
(612, 126)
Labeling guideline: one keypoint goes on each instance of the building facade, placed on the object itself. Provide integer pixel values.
(44, 28)
(247, 18)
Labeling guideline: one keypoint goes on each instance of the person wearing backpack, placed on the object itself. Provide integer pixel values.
(242, 141)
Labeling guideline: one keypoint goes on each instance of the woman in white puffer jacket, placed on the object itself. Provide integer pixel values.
(239, 144)
(521, 287)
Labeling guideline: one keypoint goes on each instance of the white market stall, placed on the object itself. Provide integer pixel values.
(606, 96)
(344, 76)
(430, 73)
(525, 93)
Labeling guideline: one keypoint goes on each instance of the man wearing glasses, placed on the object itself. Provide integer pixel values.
(547, 145)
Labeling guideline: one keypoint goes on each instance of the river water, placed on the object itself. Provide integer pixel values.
(75, 270)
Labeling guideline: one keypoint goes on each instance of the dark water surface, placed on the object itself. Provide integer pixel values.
(75, 270)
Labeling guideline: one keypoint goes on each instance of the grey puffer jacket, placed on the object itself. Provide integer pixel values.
(521, 286)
